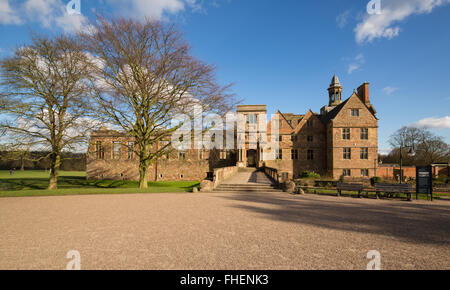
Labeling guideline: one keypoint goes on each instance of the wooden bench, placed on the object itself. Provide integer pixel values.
(393, 188)
(350, 187)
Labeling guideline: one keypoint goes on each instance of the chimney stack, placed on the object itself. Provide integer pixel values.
(363, 93)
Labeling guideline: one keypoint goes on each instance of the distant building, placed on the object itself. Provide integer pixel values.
(340, 141)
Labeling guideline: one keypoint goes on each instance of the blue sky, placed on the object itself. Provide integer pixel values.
(284, 53)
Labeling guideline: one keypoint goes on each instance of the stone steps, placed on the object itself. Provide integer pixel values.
(247, 188)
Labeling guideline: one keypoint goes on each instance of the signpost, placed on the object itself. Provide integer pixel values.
(424, 181)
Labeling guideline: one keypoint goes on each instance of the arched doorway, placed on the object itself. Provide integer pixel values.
(251, 158)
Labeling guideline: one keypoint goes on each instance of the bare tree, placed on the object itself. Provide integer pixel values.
(408, 136)
(146, 75)
(44, 98)
(428, 147)
(433, 150)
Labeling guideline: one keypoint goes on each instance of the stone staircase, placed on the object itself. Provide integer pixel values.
(248, 180)
(247, 188)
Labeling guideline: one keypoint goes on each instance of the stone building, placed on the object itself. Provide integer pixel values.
(341, 140)
(111, 156)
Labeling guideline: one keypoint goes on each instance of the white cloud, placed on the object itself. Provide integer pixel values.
(7, 13)
(356, 64)
(154, 8)
(342, 19)
(47, 13)
(53, 13)
(390, 90)
(385, 25)
(434, 123)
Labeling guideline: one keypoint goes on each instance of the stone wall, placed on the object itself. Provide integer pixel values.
(300, 140)
(192, 166)
(222, 174)
(336, 143)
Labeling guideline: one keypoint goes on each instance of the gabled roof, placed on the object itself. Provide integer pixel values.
(305, 119)
(333, 113)
(284, 118)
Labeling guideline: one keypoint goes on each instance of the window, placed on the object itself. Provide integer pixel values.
(364, 172)
(279, 154)
(364, 134)
(365, 153)
(346, 133)
(310, 138)
(99, 150)
(252, 119)
(310, 123)
(293, 138)
(116, 150)
(355, 112)
(280, 138)
(130, 150)
(182, 155)
(346, 172)
(310, 155)
(347, 153)
(294, 154)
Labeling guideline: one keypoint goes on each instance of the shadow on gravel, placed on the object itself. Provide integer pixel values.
(411, 222)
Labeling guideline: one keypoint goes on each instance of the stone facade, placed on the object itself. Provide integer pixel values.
(110, 156)
(340, 141)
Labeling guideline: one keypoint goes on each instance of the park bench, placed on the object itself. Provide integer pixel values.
(394, 188)
(350, 187)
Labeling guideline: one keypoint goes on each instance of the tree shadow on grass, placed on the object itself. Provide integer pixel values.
(411, 222)
(66, 182)
(24, 183)
(63, 182)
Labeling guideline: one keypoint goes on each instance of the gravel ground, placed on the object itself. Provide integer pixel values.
(222, 231)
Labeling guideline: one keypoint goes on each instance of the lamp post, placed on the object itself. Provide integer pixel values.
(411, 153)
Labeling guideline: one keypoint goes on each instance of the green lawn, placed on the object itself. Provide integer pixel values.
(34, 183)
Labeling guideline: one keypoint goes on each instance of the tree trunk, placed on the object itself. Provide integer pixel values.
(22, 164)
(143, 175)
(55, 162)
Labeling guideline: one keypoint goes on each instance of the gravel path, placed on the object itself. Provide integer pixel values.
(222, 231)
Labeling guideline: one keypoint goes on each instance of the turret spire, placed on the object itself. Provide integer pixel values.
(335, 92)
